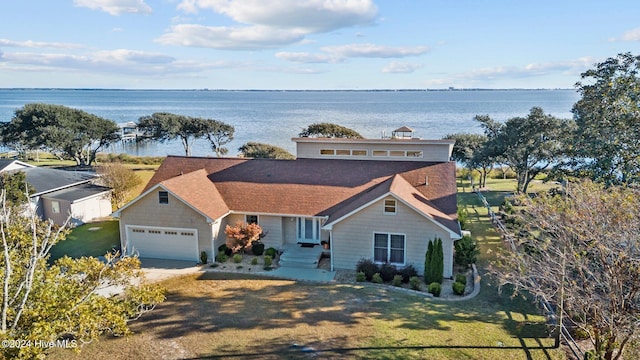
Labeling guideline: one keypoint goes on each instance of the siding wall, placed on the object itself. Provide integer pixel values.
(272, 225)
(289, 230)
(353, 236)
(431, 152)
(148, 212)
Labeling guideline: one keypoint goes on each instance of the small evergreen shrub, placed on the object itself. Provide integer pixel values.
(239, 267)
(466, 251)
(271, 252)
(458, 288)
(414, 283)
(257, 248)
(361, 277)
(254, 261)
(435, 288)
(408, 272)
(463, 216)
(215, 265)
(368, 267)
(224, 248)
(268, 261)
(237, 258)
(377, 279)
(222, 257)
(203, 257)
(397, 280)
(461, 278)
(387, 272)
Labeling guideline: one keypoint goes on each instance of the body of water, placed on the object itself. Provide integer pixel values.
(275, 117)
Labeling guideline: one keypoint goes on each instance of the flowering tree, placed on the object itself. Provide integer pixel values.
(242, 235)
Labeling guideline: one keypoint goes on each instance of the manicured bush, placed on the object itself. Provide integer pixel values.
(241, 236)
(222, 257)
(224, 248)
(203, 257)
(435, 288)
(414, 283)
(458, 288)
(408, 272)
(268, 261)
(361, 277)
(397, 280)
(466, 251)
(461, 278)
(368, 267)
(254, 261)
(387, 272)
(434, 262)
(271, 252)
(463, 216)
(377, 279)
(257, 248)
(237, 258)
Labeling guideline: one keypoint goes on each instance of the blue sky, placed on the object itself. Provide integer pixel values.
(313, 44)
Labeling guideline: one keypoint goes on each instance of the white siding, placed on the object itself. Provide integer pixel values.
(431, 151)
(353, 236)
(272, 225)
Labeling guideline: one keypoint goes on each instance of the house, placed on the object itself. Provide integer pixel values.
(381, 199)
(60, 193)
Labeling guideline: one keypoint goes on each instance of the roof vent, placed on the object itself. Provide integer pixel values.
(426, 180)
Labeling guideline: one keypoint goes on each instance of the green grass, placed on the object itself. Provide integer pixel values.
(92, 239)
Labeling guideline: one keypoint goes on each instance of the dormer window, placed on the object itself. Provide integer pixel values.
(163, 197)
(390, 207)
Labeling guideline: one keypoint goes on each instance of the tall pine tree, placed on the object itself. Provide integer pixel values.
(428, 275)
(434, 262)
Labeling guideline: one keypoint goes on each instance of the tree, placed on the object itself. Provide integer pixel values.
(434, 262)
(166, 127)
(264, 151)
(16, 188)
(121, 179)
(61, 304)
(607, 141)
(64, 131)
(329, 130)
(528, 145)
(469, 149)
(581, 251)
(428, 269)
(241, 236)
(466, 251)
(218, 134)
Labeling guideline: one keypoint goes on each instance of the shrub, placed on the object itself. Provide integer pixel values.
(241, 236)
(397, 280)
(376, 278)
(254, 261)
(268, 261)
(361, 277)
(408, 272)
(414, 283)
(368, 267)
(434, 262)
(271, 252)
(387, 272)
(463, 216)
(222, 257)
(224, 248)
(458, 288)
(237, 258)
(435, 288)
(466, 251)
(203, 257)
(461, 278)
(215, 265)
(257, 248)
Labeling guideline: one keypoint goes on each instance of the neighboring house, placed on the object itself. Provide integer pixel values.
(60, 193)
(379, 199)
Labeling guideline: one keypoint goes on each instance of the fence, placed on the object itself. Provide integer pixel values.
(549, 310)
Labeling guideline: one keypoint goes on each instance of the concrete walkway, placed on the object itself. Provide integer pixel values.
(302, 274)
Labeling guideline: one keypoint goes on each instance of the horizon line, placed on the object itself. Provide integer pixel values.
(285, 90)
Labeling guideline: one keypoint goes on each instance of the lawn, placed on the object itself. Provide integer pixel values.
(92, 239)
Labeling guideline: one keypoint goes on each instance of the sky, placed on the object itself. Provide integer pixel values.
(312, 44)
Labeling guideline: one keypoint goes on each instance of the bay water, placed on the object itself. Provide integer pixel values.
(274, 117)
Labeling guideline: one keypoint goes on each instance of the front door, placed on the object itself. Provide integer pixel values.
(308, 230)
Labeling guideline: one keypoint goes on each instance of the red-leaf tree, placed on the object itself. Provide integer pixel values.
(242, 235)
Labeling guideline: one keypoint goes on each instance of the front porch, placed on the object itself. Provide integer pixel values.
(301, 255)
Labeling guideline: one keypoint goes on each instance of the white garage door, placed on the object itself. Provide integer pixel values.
(163, 243)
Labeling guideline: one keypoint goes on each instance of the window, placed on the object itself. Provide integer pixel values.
(396, 153)
(415, 153)
(163, 197)
(390, 207)
(327, 152)
(251, 219)
(55, 207)
(138, 230)
(343, 152)
(359, 152)
(388, 248)
(380, 153)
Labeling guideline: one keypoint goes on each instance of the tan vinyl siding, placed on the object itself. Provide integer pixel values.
(289, 230)
(61, 216)
(353, 236)
(272, 225)
(323, 150)
(148, 212)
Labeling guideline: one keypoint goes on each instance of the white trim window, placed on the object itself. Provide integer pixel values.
(389, 248)
(55, 207)
(163, 197)
(390, 206)
(251, 219)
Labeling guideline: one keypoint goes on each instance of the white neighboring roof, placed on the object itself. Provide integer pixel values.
(11, 164)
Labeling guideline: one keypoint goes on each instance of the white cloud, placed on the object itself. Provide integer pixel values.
(375, 51)
(308, 58)
(630, 35)
(396, 67)
(116, 7)
(310, 16)
(576, 67)
(235, 38)
(39, 44)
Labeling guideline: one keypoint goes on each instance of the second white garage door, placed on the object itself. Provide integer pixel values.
(163, 243)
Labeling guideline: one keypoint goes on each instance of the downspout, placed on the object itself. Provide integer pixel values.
(331, 247)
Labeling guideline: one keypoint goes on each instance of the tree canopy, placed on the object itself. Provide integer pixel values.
(581, 251)
(470, 150)
(68, 301)
(607, 140)
(265, 151)
(121, 179)
(64, 131)
(16, 187)
(329, 130)
(218, 134)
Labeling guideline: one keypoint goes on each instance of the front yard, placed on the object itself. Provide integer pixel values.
(91, 239)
